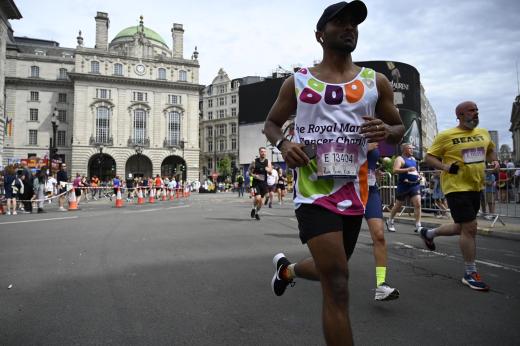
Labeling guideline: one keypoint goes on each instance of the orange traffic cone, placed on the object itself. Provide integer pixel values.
(172, 195)
(119, 200)
(151, 199)
(73, 203)
(140, 198)
(164, 198)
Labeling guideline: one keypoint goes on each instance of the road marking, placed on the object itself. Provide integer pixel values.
(38, 220)
(490, 264)
(156, 209)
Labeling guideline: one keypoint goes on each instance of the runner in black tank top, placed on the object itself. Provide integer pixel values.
(258, 170)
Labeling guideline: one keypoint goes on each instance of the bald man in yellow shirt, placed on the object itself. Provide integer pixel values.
(461, 154)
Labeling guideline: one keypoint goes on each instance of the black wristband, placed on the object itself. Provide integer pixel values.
(279, 143)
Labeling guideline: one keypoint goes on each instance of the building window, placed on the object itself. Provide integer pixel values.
(33, 137)
(233, 112)
(161, 73)
(174, 128)
(210, 115)
(62, 115)
(210, 90)
(233, 128)
(33, 114)
(139, 126)
(222, 130)
(60, 139)
(233, 98)
(222, 144)
(62, 73)
(210, 146)
(222, 101)
(221, 114)
(174, 99)
(222, 89)
(210, 162)
(140, 96)
(35, 96)
(103, 94)
(183, 76)
(39, 52)
(233, 144)
(62, 97)
(102, 124)
(210, 103)
(35, 71)
(209, 131)
(94, 67)
(118, 69)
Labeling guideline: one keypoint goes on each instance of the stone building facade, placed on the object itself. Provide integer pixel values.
(219, 122)
(128, 106)
(8, 10)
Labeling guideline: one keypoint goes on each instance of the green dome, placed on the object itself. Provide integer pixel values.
(149, 33)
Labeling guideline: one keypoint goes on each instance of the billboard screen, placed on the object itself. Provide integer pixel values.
(256, 100)
(405, 81)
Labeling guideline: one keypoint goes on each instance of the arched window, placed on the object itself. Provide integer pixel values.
(118, 69)
(183, 76)
(139, 126)
(161, 73)
(174, 128)
(35, 71)
(94, 67)
(102, 124)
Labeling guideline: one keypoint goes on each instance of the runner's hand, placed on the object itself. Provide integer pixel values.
(374, 130)
(294, 155)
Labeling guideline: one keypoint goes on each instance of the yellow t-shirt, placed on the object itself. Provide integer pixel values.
(468, 148)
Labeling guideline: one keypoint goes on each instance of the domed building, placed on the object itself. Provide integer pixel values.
(128, 107)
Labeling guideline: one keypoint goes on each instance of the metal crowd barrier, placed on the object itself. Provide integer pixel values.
(500, 197)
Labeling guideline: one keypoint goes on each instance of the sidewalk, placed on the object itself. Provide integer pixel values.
(511, 230)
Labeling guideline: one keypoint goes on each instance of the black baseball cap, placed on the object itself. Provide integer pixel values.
(356, 8)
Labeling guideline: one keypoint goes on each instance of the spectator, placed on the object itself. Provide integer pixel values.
(39, 184)
(10, 179)
(62, 180)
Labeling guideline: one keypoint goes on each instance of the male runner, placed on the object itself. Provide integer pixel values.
(461, 153)
(339, 107)
(259, 169)
(408, 185)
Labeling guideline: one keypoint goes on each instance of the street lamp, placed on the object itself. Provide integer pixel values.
(100, 160)
(138, 151)
(55, 121)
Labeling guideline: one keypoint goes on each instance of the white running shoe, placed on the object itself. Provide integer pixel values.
(385, 292)
(8, 213)
(390, 225)
(15, 213)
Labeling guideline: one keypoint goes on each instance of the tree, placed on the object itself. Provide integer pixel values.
(224, 167)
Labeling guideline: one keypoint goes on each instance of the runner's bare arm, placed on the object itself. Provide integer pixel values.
(398, 163)
(388, 124)
(435, 163)
(282, 109)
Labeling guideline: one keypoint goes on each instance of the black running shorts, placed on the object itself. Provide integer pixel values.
(260, 188)
(463, 206)
(314, 220)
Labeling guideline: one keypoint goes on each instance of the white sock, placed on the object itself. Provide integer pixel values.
(431, 233)
(418, 225)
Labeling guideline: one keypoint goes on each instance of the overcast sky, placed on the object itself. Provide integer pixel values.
(463, 50)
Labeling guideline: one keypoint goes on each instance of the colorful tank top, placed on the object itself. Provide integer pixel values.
(330, 116)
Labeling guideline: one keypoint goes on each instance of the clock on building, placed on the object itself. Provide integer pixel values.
(140, 69)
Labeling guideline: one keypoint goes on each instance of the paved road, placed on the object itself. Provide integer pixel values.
(197, 272)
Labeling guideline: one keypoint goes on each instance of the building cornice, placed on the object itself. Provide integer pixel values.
(133, 81)
(82, 51)
(41, 58)
(39, 82)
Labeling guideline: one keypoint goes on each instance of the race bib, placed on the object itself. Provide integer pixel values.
(372, 178)
(337, 160)
(474, 155)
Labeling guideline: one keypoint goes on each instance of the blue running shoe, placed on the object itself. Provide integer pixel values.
(474, 281)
